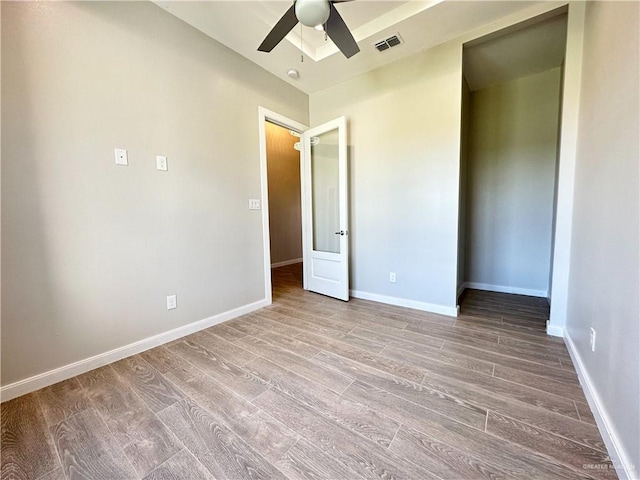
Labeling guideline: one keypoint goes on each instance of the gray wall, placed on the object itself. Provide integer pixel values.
(605, 257)
(285, 203)
(90, 250)
(512, 162)
(404, 159)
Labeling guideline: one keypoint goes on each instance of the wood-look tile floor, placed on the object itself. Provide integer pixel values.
(315, 388)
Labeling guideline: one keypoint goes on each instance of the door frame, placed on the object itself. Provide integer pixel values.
(265, 115)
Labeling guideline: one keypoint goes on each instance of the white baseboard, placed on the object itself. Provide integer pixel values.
(622, 462)
(403, 302)
(506, 289)
(554, 330)
(286, 262)
(45, 379)
(461, 288)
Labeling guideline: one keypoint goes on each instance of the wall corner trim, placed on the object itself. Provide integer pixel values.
(555, 330)
(404, 302)
(31, 384)
(621, 461)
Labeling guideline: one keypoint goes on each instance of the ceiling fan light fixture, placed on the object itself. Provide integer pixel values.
(312, 13)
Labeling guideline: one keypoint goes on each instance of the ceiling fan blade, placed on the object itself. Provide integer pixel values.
(340, 34)
(277, 33)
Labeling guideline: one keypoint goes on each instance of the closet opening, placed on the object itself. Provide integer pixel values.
(284, 203)
(511, 111)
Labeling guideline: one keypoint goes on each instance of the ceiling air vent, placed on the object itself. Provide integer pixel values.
(387, 43)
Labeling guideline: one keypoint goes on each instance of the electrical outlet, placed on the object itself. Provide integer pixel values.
(161, 162)
(172, 302)
(121, 157)
(592, 339)
(392, 277)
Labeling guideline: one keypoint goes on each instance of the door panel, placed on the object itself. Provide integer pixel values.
(326, 247)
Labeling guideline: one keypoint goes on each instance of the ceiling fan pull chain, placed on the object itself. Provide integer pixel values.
(301, 51)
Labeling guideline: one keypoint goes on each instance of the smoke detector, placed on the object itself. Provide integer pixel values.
(389, 42)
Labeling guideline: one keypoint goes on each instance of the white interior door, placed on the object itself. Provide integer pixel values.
(326, 221)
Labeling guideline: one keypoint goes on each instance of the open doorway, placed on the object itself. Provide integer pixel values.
(285, 205)
(509, 158)
(281, 186)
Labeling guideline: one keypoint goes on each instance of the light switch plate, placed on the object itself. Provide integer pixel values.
(121, 157)
(254, 204)
(161, 162)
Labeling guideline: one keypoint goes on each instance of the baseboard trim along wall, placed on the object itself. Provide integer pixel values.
(621, 461)
(403, 302)
(506, 289)
(45, 379)
(286, 262)
(554, 330)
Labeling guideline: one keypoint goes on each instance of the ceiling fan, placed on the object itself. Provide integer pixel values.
(313, 13)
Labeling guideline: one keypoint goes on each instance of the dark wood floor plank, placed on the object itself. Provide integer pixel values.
(441, 458)
(182, 466)
(150, 385)
(222, 370)
(163, 360)
(384, 364)
(227, 455)
(27, 450)
(304, 461)
(550, 360)
(354, 416)
(57, 474)
(419, 355)
(219, 346)
(453, 333)
(267, 436)
(292, 344)
(397, 336)
(211, 394)
(430, 398)
(325, 327)
(226, 331)
(585, 412)
(141, 435)
(492, 385)
(565, 451)
(62, 400)
(564, 389)
(297, 364)
(532, 336)
(550, 349)
(500, 454)
(541, 418)
(88, 450)
(354, 452)
(499, 359)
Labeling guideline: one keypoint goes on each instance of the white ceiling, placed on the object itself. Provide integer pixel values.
(242, 25)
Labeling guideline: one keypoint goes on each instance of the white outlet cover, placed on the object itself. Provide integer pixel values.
(121, 156)
(161, 162)
(172, 302)
(254, 204)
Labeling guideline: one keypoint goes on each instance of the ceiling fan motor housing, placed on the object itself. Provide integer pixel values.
(312, 12)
